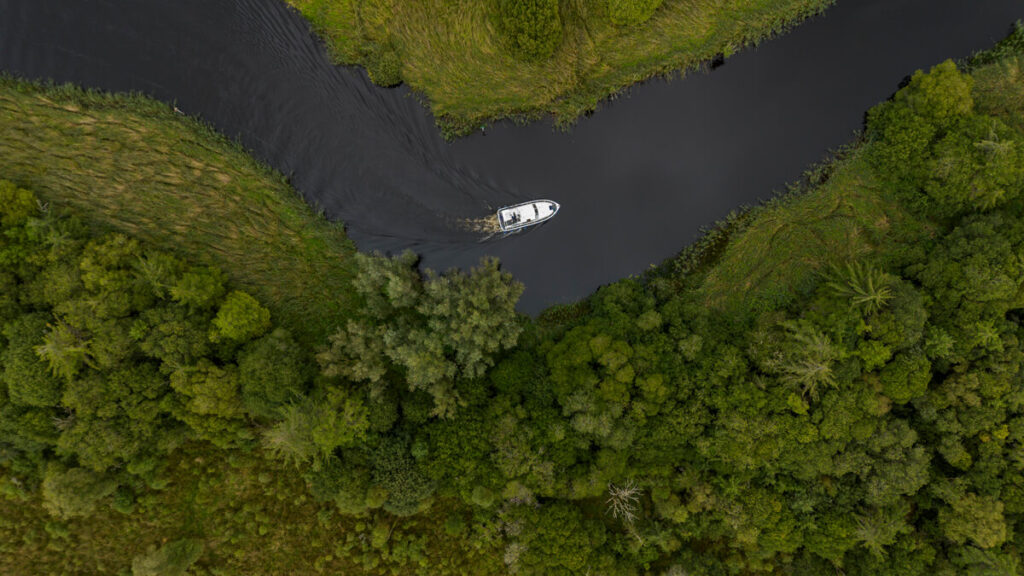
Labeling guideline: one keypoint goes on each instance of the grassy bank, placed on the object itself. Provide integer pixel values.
(455, 53)
(132, 164)
(848, 216)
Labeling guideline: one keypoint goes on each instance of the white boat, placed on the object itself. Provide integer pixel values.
(513, 218)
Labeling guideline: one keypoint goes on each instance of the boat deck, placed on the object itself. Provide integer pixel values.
(527, 214)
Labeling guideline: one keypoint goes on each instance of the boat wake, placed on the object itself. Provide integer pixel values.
(488, 225)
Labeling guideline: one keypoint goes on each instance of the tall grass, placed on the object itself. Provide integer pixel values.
(787, 241)
(133, 164)
(453, 50)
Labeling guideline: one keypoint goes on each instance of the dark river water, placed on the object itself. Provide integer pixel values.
(636, 181)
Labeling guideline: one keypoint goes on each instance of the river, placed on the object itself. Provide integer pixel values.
(637, 180)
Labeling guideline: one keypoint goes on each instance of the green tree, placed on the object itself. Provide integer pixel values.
(160, 271)
(903, 131)
(978, 166)
(906, 377)
(118, 416)
(942, 95)
(809, 358)
(64, 349)
(880, 528)
(172, 335)
(899, 464)
(357, 352)
(271, 372)
(473, 315)
(210, 389)
(974, 518)
(972, 561)
(866, 287)
(901, 142)
(17, 205)
(433, 332)
(110, 283)
(27, 380)
(311, 429)
(973, 273)
(209, 402)
(73, 492)
(199, 288)
(240, 318)
(388, 284)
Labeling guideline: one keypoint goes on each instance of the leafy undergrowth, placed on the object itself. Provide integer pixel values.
(251, 516)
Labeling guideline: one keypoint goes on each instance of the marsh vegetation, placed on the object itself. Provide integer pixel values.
(476, 61)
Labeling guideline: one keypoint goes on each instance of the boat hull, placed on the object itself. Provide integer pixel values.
(519, 216)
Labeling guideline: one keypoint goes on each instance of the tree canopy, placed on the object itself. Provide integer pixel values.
(869, 420)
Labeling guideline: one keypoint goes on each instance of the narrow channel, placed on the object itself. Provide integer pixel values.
(636, 181)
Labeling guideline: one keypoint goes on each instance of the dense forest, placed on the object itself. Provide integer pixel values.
(805, 391)
(480, 60)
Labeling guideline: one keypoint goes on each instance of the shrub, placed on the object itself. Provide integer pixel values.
(172, 559)
(533, 27)
(631, 12)
(558, 539)
(384, 66)
(395, 471)
(70, 492)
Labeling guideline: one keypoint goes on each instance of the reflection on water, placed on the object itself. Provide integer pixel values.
(636, 181)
